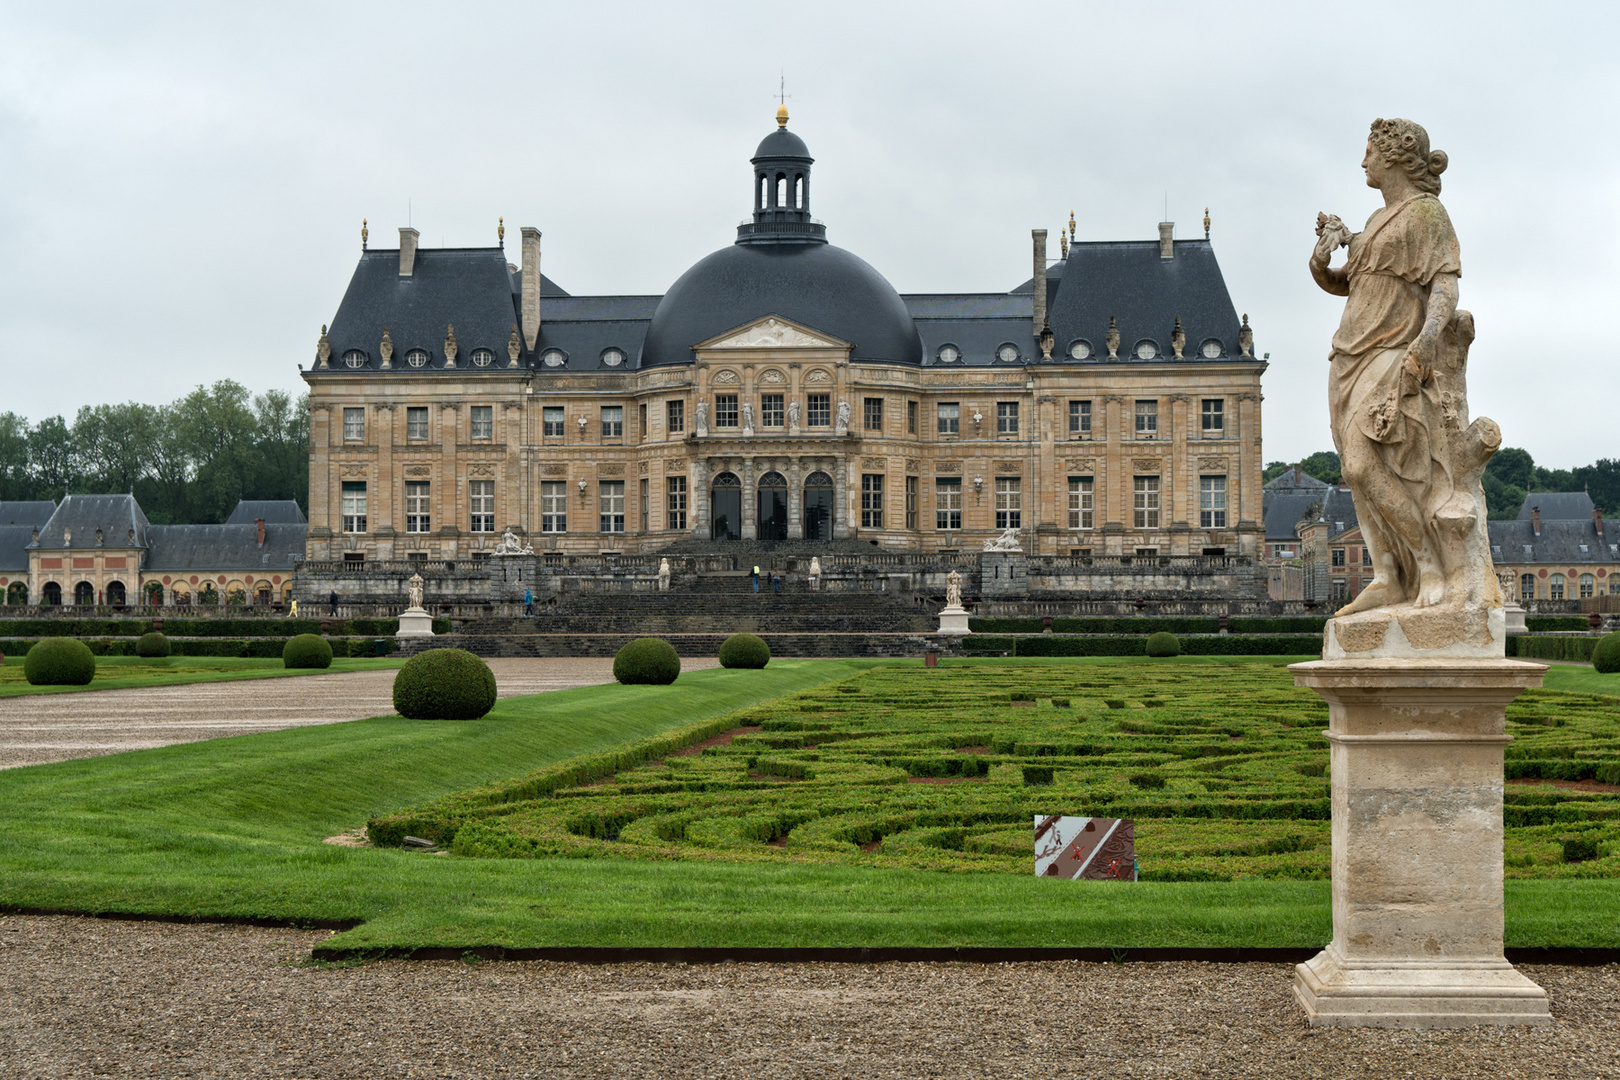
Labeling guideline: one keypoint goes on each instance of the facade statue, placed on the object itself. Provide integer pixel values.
(953, 589)
(511, 545)
(793, 415)
(748, 417)
(1398, 401)
(663, 574)
(1007, 541)
(413, 588)
(815, 572)
(702, 417)
(843, 419)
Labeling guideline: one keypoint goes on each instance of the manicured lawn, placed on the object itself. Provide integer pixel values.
(118, 672)
(232, 827)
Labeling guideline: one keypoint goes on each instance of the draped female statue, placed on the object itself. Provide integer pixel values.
(1397, 396)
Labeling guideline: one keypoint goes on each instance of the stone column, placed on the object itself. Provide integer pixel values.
(1416, 751)
(795, 500)
(698, 497)
(840, 474)
(750, 502)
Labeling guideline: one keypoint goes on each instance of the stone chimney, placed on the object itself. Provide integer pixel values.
(260, 523)
(1597, 521)
(1167, 239)
(531, 286)
(1535, 520)
(1040, 278)
(407, 250)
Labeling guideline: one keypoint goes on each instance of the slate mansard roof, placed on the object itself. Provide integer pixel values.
(224, 547)
(77, 517)
(1569, 532)
(233, 546)
(272, 511)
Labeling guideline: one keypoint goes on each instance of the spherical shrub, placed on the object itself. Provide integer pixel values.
(307, 651)
(444, 684)
(1163, 644)
(59, 661)
(152, 645)
(647, 661)
(744, 651)
(1606, 654)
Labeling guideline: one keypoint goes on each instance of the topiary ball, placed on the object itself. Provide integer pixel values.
(1162, 644)
(444, 684)
(647, 661)
(59, 661)
(1606, 654)
(744, 651)
(152, 645)
(307, 651)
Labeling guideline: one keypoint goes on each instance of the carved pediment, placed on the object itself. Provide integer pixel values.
(773, 332)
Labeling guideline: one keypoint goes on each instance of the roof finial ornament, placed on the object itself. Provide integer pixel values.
(1112, 339)
(500, 232)
(1063, 242)
(450, 345)
(513, 348)
(323, 348)
(1178, 338)
(1047, 339)
(1246, 339)
(1206, 223)
(387, 349)
(365, 234)
(781, 110)
(1071, 226)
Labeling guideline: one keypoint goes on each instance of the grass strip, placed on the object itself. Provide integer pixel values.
(124, 672)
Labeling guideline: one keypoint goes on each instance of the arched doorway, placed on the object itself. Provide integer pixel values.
(18, 593)
(84, 593)
(818, 506)
(262, 593)
(773, 508)
(181, 594)
(115, 593)
(725, 507)
(53, 593)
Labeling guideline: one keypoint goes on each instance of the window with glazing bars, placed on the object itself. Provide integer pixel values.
(872, 500)
(948, 502)
(675, 502)
(675, 416)
(911, 502)
(610, 498)
(725, 410)
(551, 422)
(1082, 505)
(1009, 502)
(416, 423)
(872, 414)
(481, 505)
(1147, 419)
(1146, 506)
(418, 515)
(911, 418)
(1006, 418)
(354, 424)
(1214, 418)
(553, 506)
(772, 412)
(641, 502)
(818, 410)
(354, 506)
(1212, 506)
(950, 417)
(1079, 418)
(612, 421)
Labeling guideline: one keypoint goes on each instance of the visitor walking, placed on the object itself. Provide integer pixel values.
(776, 583)
(756, 578)
(293, 612)
(332, 600)
(528, 603)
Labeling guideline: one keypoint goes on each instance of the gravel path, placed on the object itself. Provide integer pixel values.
(86, 997)
(56, 727)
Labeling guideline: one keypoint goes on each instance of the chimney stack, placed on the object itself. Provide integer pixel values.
(1597, 521)
(1167, 239)
(260, 523)
(531, 286)
(1535, 520)
(407, 250)
(1040, 278)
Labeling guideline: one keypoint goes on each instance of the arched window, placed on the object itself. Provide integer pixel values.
(84, 593)
(53, 593)
(1527, 586)
(354, 358)
(781, 190)
(482, 358)
(798, 192)
(1588, 585)
(1555, 587)
(115, 593)
(725, 505)
(17, 593)
(417, 358)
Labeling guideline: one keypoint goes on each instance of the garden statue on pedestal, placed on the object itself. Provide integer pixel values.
(414, 621)
(953, 617)
(663, 574)
(815, 572)
(511, 545)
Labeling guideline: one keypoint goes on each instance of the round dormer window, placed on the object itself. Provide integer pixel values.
(612, 357)
(482, 358)
(1008, 353)
(949, 354)
(1146, 350)
(417, 358)
(1080, 349)
(1212, 349)
(554, 358)
(354, 358)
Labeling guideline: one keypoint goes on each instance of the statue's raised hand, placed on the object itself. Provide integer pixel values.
(1331, 234)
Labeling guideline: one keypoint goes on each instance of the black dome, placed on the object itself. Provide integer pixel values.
(782, 143)
(820, 286)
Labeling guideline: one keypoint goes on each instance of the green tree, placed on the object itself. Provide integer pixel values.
(112, 444)
(217, 431)
(281, 447)
(1273, 470)
(1324, 465)
(50, 458)
(15, 483)
(1514, 467)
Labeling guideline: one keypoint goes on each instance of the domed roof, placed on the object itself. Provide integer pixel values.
(782, 143)
(817, 285)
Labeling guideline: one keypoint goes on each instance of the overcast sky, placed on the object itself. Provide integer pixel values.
(183, 184)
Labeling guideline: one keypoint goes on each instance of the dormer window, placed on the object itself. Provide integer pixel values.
(354, 358)
(417, 358)
(1146, 350)
(1007, 353)
(612, 357)
(482, 358)
(949, 354)
(1079, 349)
(554, 358)
(1212, 349)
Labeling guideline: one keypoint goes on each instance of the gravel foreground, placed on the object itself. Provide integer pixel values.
(88, 997)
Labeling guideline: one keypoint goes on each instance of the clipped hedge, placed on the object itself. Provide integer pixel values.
(152, 645)
(1145, 624)
(1211, 645)
(1553, 624)
(1606, 654)
(1162, 644)
(267, 626)
(1537, 647)
(744, 651)
(444, 684)
(59, 661)
(307, 651)
(647, 661)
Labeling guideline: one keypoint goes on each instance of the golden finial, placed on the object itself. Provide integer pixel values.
(1071, 225)
(365, 234)
(1063, 242)
(781, 116)
(1206, 223)
(500, 232)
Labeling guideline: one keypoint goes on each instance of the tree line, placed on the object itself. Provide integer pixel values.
(186, 462)
(1509, 477)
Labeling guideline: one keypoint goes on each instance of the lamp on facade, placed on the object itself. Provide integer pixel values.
(582, 490)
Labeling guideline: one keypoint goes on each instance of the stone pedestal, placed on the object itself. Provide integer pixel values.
(1513, 616)
(414, 622)
(1001, 573)
(953, 620)
(1417, 846)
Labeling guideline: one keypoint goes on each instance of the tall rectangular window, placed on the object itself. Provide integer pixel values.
(675, 502)
(554, 506)
(641, 424)
(641, 502)
(771, 410)
(416, 423)
(1336, 557)
(1006, 418)
(1079, 419)
(872, 414)
(613, 421)
(1082, 503)
(911, 502)
(354, 506)
(1009, 502)
(872, 500)
(949, 417)
(1212, 506)
(1214, 418)
(551, 422)
(1147, 502)
(354, 425)
(481, 505)
(818, 410)
(725, 410)
(1147, 419)
(911, 418)
(418, 515)
(610, 499)
(483, 421)
(948, 502)
(675, 416)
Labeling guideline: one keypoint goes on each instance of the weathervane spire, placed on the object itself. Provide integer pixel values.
(782, 96)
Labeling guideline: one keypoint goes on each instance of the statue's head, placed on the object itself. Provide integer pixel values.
(1403, 145)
